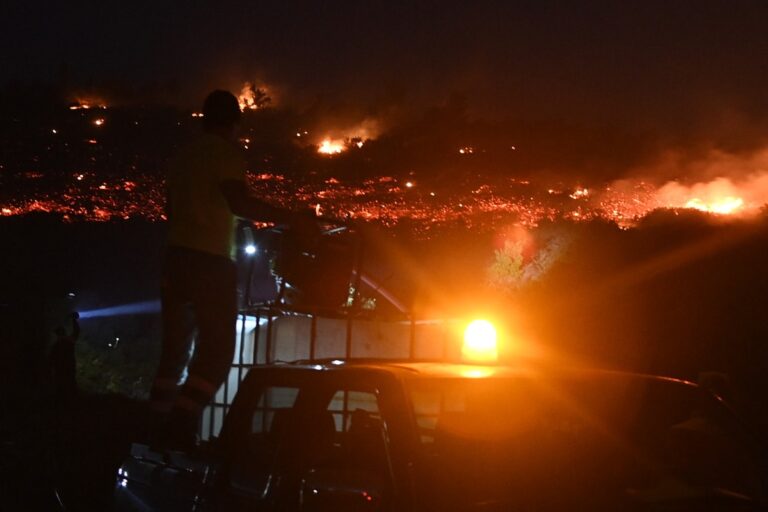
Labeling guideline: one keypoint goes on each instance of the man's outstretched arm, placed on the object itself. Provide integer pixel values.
(245, 205)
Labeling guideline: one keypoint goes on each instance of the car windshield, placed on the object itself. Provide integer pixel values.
(553, 442)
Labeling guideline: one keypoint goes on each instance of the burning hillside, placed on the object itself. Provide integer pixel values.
(95, 164)
(390, 201)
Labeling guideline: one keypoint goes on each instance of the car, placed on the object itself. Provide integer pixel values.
(376, 434)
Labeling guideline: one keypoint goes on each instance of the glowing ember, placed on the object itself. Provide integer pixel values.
(331, 147)
(724, 206)
(99, 121)
(578, 193)
(378, 200)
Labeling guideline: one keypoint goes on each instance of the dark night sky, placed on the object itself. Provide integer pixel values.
(682, 70)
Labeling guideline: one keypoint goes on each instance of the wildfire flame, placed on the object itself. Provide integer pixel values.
(723, 206)
(252, 97)
(720, 196)
(339, 139)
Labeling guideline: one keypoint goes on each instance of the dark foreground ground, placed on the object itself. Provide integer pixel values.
(45, 444)
(680, 295)
(53, 454)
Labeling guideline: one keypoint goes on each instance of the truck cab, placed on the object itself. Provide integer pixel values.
(389, 435)
(370, 413)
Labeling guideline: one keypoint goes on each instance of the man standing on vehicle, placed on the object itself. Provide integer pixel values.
(207, 190)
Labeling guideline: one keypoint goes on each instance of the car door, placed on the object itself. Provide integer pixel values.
(351, 467)
(258, 431)
(306, 440)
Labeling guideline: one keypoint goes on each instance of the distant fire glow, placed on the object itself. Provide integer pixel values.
(723, 206)
(331, 147)
(82, 103)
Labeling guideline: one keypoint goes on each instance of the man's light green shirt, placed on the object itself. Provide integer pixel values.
(198, 214)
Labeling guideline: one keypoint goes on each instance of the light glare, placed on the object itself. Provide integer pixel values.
(480, 342)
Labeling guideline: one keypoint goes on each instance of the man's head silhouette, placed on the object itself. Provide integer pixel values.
(221, 111)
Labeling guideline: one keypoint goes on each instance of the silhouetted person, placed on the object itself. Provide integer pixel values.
(63, 366)
(207, 190)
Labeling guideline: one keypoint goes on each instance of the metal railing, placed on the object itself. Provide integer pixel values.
(257, 345)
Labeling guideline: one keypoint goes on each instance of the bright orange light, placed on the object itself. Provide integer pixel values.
(480, 342)
(99, 121)
(331, 147)
(722, 206)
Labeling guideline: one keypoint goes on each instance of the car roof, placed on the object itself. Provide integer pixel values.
(441, 370)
